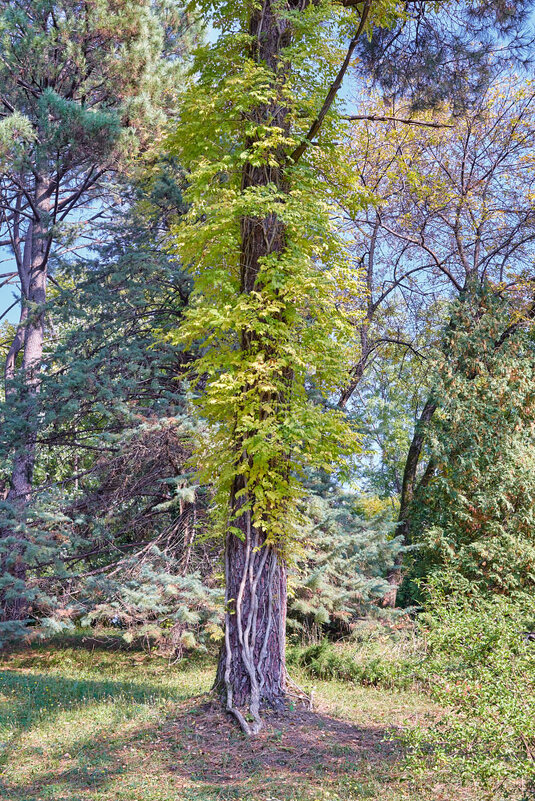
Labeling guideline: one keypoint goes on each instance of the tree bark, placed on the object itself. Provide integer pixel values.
(252, 670)
(357, 372)
(395, 576)
(22, 388)
(252, 665)
(30, 334)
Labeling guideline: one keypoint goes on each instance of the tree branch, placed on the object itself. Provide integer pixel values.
(380, 118)
(335, 86)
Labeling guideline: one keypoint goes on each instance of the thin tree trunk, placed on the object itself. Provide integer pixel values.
(367, 345)
(395, 576)
(20, 334)
(358, 370)
(22, 389)
(13, 563)
(24, 459)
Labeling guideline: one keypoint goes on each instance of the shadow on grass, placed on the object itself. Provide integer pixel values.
(300, 743)
(93, 765)
(196, 754)
(27, 697)
(200, 755)
(85, 640)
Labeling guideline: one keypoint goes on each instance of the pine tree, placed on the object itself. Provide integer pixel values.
(438, 53)
(341, 573)
(113, 491)
(81, 84)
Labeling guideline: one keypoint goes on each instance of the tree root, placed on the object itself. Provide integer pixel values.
(301, 694)
(256, 558)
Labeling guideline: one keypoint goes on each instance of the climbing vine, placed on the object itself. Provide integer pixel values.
(301, 314)
(275, 296)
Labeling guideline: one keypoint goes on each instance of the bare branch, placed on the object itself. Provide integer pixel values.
(380, 118)
(335, 86)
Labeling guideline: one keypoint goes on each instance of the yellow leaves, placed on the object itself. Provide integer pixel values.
(258, 347)
(215, 632)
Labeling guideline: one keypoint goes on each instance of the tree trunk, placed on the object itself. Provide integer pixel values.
(367, 345)
(358, 370)
(22, 390)
(252, 671)
(36, 281)
(252, 666)
(395, 576)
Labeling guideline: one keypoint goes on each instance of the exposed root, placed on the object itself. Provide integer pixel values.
(257, 556)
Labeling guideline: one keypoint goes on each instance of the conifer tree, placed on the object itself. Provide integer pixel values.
(474, 519)
(112, 492)
(436, 52)
(346, 556)
(80, 87)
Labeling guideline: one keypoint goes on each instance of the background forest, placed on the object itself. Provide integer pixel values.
(268, 303)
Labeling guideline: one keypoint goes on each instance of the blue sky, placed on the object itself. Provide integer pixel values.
(9, 293)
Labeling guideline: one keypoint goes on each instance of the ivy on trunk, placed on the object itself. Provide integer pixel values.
(268, 306)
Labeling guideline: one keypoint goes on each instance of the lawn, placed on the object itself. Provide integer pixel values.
(85, 720)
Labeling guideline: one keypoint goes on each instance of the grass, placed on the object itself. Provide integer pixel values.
(80, 721)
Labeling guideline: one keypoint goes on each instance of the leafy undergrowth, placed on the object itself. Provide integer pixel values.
(83, 722)
(325, 661)
(475, 658)
(376, 655)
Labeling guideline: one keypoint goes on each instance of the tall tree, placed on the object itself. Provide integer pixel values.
(79, 81)
(453, 210)
(265, 307)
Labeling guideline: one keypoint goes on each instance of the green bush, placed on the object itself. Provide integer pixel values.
(326, 661)
(481, 670)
